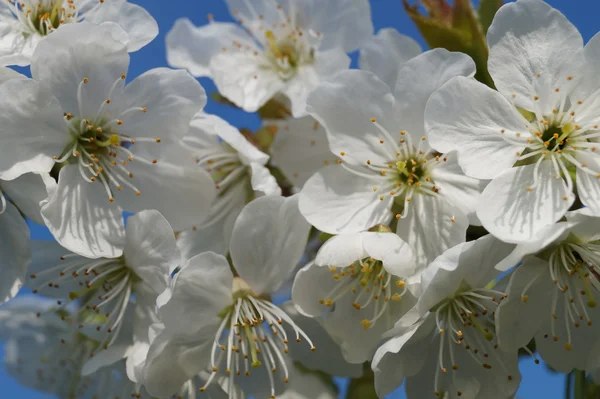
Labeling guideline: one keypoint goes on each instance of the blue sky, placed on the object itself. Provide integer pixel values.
(538, 382)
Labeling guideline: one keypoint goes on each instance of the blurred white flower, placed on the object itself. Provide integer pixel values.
(554, 295)
(452, 347)
(360, 281)
(539, 65)
(283, 48)
(100, 138)
(213, 318)
(26, 22)
(103, 288)
(44, 349)
(386, 166)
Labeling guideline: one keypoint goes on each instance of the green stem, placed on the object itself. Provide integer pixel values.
(568, 388)
(580, 385)
(363, 387)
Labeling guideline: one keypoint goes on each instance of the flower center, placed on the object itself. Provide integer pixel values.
(288, 52)
(466, 320)
(41, 17)
(574, 268)
(103, 288)
(252, 335)
(370, 285)
(224, 166)
(100, 151)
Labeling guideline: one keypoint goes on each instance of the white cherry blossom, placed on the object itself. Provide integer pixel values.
(537, 161)
(103, 288)
(553, 296)
(100, 138)
(386, 167)
(452, 348)
(228, 323)
(239, 173)
(284, 47)
(25, 23)
(361, 281)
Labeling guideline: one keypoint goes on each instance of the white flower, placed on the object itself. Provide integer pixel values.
(77, 119)
(300, 148)
(239, 173)
(386, 166)
(383, 53)
(229, 323)
(554, 295)
(452, 347)
(359, 279)
(104, 287)
(539, 65)
(15, 251)
(283, 48)
(26, 22)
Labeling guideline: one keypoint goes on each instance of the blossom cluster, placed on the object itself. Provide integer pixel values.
(402, 215)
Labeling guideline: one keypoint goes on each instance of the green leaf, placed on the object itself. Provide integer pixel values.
(487, 10)
(458, 31)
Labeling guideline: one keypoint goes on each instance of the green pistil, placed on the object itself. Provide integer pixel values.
(487, 335)
(253, 352)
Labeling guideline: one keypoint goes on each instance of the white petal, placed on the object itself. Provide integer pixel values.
(172, 98)
(431, 216)
(192, 48)
(335, 200)
(32, 128)
(8, 74)
(396, 255)
(344, 24)
(312, 283)
(529, 38)
(345, 105)
(400, 356)
(182, 193)
(202, 288)
(546, 236)
(513, 213)
(342, 250)
(263, 181)
(150, 249)
(63, 59)
(268, 241)
(588, 185)
(461, 191)
(15, 48)
(27, 191)
(326, 64)
(194, 241)
(141, 28)
(308, 386)
(384, 53)
(172, 362)
(82, 219)
(300, 149)
(244, 79)
(469, 117)
(418, 78)
(14, 250)
(519, 319)
(328, 360)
